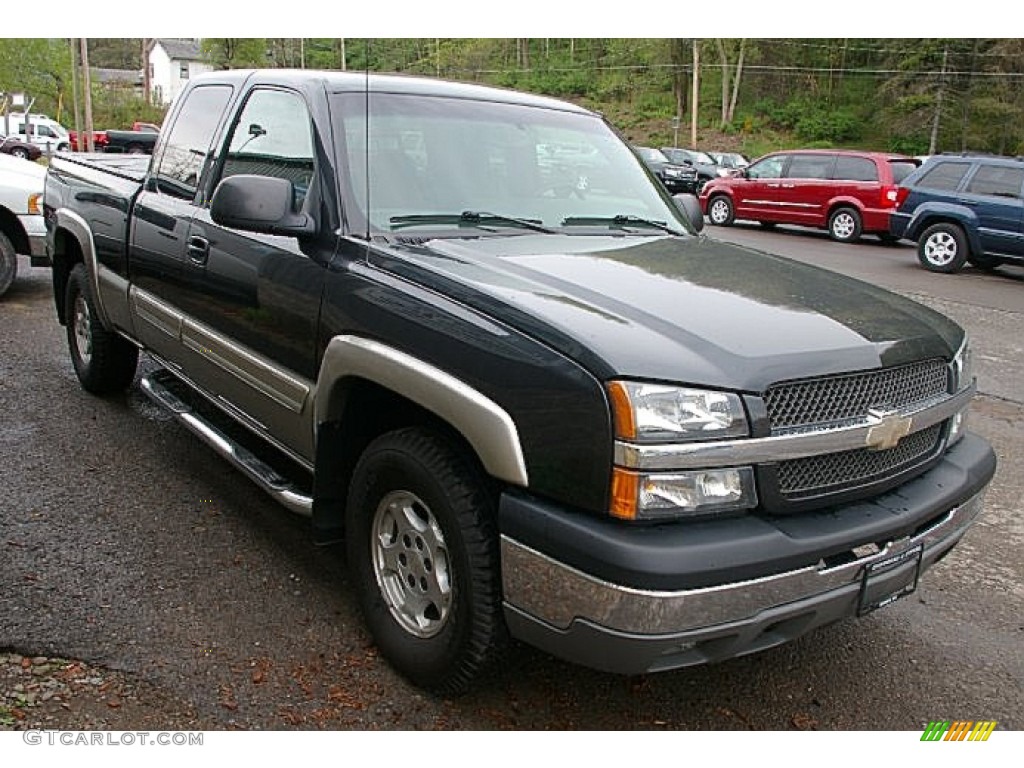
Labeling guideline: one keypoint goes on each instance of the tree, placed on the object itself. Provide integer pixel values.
(235, 52)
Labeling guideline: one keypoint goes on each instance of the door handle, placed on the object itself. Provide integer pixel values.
(968, 202)
(198, 250)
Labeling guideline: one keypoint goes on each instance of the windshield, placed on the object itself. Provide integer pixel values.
(430, 162)
(701, 157)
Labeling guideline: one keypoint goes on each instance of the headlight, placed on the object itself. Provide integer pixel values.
(962, 367)
(664, 495)
(648, 413)
(673, 173)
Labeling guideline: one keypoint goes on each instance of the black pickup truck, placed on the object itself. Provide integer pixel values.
(530, 397)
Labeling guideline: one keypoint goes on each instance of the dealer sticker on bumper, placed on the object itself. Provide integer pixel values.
(886, 581)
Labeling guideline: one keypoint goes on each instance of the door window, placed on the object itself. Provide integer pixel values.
(769, 168)
(273, 136)
(996, 180)
(810, 166)
(188, 144)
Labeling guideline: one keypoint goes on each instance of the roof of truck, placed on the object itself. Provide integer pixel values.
(340, 82)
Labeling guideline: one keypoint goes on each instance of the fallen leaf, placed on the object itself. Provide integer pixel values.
(804, 722)
(114, 702)
(257, 676)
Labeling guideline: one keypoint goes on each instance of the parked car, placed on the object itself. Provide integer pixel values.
(49, 135)
(963, 209)
(12, 145)
(706, 167)
(561, 419)
(22, 229)
(676, 178)
(847, 192)
(733, 161)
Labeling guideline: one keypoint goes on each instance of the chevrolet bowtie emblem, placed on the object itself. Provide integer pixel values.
(887, 429)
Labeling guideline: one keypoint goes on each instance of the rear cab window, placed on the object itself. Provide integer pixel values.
(185, 153)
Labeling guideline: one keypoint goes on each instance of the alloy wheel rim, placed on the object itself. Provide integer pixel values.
(842, 226)
(83, 330)
(940, 249)
(719, 211)
(411, 564)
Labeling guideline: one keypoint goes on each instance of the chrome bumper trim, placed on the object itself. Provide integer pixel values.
(558, 594)
(795, 445)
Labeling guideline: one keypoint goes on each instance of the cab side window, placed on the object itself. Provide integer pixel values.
(273, 136)
(810, 166)
(855, 169)
(188, 144)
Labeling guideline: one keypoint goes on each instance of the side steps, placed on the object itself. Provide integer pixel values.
(160, 386)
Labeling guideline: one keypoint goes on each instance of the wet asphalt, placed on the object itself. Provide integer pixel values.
(127, 544)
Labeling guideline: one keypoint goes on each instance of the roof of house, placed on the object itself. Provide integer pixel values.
(176, 48)
(111, 76)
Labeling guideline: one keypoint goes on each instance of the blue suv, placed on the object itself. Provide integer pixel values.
(963, 209)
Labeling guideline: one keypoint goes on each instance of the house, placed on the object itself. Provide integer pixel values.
(172, 62)
(122, 79)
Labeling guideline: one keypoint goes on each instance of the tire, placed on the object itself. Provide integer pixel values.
(844, 225)
(104, 362)
(20, 152)
(942, 248)
(135, 149)
(422, 549)
(720, 211)
(8, 263)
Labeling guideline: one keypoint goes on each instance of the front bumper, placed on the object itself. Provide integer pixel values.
(611, 625)
(677, 185)
(35, 228)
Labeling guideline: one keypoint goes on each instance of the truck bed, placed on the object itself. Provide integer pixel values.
(127, 167)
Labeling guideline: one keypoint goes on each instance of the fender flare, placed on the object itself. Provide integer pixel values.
(79, 228)
(485, 425)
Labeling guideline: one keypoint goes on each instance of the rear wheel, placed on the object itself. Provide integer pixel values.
(423, 552)
(8, 264)
(942, 248)
(104, 362)
(844, 225)
(720, 211)
(135, 149)
(20, 152)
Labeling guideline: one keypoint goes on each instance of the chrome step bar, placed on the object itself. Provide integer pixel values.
(257, 470)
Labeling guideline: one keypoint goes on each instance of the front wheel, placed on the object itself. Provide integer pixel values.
(104, 362)
(423, 551)
(720, 211)
(942, 248)
(8, 264)
(844, 225)
(20, 152)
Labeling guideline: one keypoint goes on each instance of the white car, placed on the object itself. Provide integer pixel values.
(22, 229)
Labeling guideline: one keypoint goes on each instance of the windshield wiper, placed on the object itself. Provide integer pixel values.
(622, 221)
(467, 218)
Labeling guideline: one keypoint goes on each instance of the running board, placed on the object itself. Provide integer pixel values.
(257, 470)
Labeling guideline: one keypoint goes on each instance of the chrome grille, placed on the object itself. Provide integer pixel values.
(815, 475)
(848, 397)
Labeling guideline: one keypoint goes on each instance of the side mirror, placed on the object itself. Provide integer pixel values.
(259, 204)
(690, 207)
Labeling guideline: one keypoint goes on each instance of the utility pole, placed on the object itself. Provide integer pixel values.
(934, 142)
(695, 92)
(74, 93)
(87, 96)
(147, 85)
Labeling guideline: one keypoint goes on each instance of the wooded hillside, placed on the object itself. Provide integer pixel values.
(912, 95)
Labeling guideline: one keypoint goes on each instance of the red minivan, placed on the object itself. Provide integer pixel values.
(846, 192)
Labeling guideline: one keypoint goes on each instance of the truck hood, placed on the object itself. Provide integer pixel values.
(683, 309)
